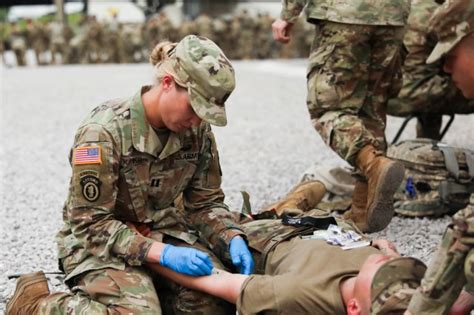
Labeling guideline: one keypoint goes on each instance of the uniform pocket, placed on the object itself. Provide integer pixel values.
(133, 190)
(322, 91)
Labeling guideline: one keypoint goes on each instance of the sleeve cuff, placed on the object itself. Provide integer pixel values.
(229, 234)
(138, 250)
(288, 16)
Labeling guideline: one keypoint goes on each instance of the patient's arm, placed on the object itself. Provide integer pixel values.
(223, 284)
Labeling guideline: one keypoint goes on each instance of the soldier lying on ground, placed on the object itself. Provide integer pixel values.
(453, 266)
(311, 276)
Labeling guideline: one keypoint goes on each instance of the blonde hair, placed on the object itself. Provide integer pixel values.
(161, 52)
(161, 58)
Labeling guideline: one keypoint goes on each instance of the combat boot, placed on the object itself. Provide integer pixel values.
(383, 177)
(303, 197)
(357, 213)
(30, 290)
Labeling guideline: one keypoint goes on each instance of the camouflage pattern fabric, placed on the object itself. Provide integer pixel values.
(106, 291)
(199, 65)
(394, 284)
(17, 38)
(451, 269)
(421, 193)
(121, 171)
(361, 12)
(349, 83)
(426, 89)
(451, 23)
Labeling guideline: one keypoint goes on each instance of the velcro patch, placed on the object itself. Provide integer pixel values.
(91, 187)
(87, 155)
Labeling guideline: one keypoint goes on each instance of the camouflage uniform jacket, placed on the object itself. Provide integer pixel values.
(422, 83)
(362, 12)
(122, 172)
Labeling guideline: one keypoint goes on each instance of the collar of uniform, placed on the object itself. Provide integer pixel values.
(144, 138)
(172, 146)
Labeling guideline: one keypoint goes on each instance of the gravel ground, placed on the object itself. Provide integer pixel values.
(265, 148)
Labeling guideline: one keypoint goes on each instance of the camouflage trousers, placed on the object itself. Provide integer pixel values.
(451, 269)
(134, 290)
(20, 56)
(353, 70)
(61, 49)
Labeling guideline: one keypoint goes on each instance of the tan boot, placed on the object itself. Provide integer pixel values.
(357, 213)
(384, 177)
(303, 197)
(30, 290)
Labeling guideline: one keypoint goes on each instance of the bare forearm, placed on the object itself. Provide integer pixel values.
(223, 284)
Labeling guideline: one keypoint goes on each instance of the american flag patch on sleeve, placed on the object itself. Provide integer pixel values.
(87, 155)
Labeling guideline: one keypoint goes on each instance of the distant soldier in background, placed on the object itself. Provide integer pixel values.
(246, 41)
(38, 40)
(60, 37)
(187, 27)
(204, 25)
(234, 35)
(91, 45)
(152, 29)
(221, 30)
(113, 37)
(264, 36)
(354, 68)
(76, 49)
(167, 31)
(428, 92)
(132, 43)
(17, 41)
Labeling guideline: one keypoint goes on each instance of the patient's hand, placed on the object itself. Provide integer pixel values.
(386, 247)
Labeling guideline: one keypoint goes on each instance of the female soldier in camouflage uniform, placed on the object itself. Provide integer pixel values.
(131, 159)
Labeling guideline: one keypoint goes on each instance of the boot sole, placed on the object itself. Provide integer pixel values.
(381, 212)
(21, 285)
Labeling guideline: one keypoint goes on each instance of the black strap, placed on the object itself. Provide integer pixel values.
(319, 223)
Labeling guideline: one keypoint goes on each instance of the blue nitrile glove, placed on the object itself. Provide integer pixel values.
(240, 254)
(186, 260)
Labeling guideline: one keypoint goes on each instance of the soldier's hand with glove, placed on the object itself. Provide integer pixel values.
(241, 256)
(186, 260)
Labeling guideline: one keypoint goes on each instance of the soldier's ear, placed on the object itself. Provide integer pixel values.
(353, 307)
(167, 82)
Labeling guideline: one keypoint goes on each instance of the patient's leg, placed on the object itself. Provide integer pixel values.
(222, 284)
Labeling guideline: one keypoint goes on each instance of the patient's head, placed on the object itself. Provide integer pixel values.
(385, 285)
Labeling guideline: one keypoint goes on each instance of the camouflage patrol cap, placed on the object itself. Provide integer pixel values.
(394, 284)
(205, 71)
(451, 23)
